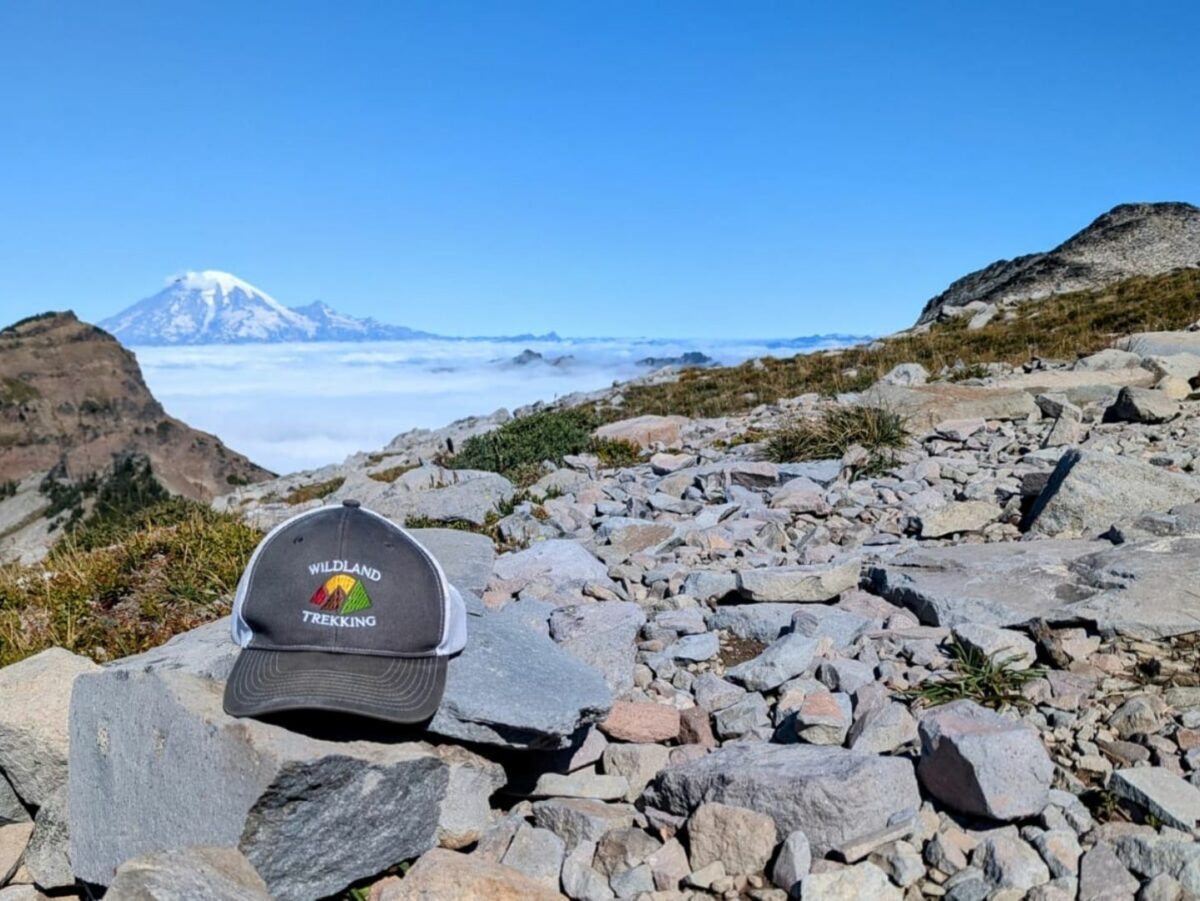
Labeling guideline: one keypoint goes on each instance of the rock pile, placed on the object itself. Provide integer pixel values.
(704, 675)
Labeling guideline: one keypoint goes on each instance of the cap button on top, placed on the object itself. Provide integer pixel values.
(351, 503)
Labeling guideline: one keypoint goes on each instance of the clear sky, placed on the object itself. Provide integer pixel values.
(656, 168)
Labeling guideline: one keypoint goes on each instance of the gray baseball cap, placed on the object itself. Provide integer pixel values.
(340, 609)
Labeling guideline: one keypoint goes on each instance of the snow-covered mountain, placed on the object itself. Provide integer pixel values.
(335, 326)
(213, 307)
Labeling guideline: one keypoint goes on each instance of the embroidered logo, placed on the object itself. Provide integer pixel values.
(341, 594)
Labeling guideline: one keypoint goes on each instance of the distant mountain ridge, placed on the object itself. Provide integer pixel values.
(1133, 239)
(214, 307)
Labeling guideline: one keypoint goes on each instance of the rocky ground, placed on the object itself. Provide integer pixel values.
(967, 674)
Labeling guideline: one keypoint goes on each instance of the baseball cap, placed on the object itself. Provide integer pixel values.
(340, 609)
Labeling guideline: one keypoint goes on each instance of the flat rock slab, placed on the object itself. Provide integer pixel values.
(1161, 344)
(603, 636)
(927, 405)
(207, 651)
(498, 688)
(1000, 584)
(1140, 589)
(312, 816)
(799, 584)
(559, 561)
(1172, 799)
(831, 794)
(1070, 382)
(210, 873)
(1145, 589)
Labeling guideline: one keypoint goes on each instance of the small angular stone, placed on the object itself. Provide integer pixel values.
(641, 722)
(743, 840)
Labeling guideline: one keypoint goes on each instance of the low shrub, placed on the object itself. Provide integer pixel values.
(614, 453)
(528, 441)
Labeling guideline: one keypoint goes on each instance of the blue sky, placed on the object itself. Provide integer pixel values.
(674, 169)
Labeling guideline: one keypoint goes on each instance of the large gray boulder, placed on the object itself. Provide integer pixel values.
(156, 764)
(762, 622)
(829, 793)
(35, 697)
(497, 688)
(198, 874)
(1090, 491)
(603, 636)
(206, 651)
(1142, 405)
(442, 495)
(980, 763)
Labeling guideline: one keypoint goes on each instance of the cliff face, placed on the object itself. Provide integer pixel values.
(71, 396)
(1129, 240)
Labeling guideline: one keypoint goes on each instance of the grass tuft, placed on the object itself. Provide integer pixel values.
(391, 474)
(875, 429)
(990, 680)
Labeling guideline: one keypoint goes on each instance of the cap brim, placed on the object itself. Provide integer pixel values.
(394, 689)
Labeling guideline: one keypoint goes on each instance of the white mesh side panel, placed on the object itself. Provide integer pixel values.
(242, 634)
(456, 634)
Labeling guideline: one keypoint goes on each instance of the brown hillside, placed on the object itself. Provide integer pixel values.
(71, 395)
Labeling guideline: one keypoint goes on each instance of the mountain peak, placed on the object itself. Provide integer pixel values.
(211, 306)
(214, 280)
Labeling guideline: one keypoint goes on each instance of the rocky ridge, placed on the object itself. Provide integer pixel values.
(1132, 239)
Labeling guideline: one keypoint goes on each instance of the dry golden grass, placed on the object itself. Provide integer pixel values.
(159, 579)
(1061, 327)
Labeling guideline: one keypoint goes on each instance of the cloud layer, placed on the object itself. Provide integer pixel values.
(299, 406)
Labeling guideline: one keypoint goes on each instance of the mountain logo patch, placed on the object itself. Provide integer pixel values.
(341, 594)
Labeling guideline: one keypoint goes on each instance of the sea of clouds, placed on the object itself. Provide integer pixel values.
(290, 407)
